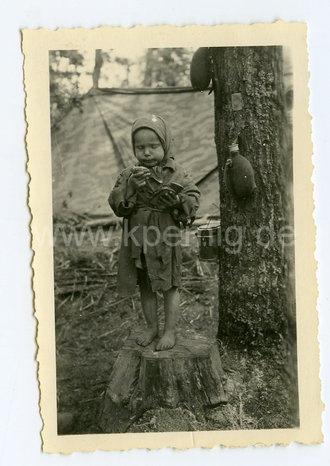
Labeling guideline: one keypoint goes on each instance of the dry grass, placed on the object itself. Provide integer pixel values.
(92, 322)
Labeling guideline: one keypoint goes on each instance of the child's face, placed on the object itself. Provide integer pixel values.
(147, 146)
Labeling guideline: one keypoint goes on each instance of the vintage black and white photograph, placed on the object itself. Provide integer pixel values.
(173, 229)
(173, 238)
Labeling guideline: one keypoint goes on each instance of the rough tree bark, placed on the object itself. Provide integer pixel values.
(256, 288)
(190, 375)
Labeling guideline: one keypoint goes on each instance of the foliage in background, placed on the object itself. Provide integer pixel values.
(167, 67)
(72, 73)
(65, 67)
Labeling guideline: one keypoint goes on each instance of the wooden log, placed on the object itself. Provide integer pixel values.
(190, 374)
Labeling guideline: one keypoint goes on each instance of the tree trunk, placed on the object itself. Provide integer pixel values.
(190, 374)
(256, 287)
(97, 68)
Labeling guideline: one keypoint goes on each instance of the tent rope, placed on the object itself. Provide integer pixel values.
(110, 135)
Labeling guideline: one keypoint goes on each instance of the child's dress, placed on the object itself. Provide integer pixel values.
(151, 233)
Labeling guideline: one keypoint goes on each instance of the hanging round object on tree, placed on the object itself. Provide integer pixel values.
(200, 69)
(239, 174)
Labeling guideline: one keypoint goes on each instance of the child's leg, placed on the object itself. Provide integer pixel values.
(171, 307)
(149, 307)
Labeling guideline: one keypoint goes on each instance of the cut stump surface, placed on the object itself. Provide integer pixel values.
(190, 374)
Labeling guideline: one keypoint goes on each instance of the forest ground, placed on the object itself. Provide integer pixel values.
(92, 323)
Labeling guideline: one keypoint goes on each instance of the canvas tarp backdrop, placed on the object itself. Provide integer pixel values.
(92, 145)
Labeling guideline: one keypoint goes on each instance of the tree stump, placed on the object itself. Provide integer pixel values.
(190, 374)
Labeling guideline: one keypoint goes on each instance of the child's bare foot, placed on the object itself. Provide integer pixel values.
(147, 336)
(167, 341)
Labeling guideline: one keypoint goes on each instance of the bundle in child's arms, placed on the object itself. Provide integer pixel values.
(171, 188)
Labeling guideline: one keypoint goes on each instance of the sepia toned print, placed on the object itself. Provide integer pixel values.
(172, 228)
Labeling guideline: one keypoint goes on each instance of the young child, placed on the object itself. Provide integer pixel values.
(150, 253)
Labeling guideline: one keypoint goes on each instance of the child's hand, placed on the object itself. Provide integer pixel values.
(138, 177)
(169, 199)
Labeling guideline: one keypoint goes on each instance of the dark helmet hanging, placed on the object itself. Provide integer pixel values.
(200, 69)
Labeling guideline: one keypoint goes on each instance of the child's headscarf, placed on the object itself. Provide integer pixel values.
(157, 124)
